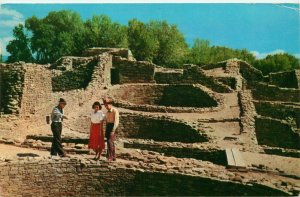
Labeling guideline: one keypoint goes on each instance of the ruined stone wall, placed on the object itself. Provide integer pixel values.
(249, 72)
(211, 154)
(122, 52)
(37, 90)
(276, 133)
(160, 98)
(11, 87)
(72, 177)
(70, 62)
(158, 129)
(278, 111)
(284, 79)
(195, 74)
(168, 76)
(133, 71)
(266, 92)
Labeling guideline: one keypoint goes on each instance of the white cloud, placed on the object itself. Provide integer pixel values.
(10, 23)
(11, 13)
(9, 17)
(3, 42)
(259, 55)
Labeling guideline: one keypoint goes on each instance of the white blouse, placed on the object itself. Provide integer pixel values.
(97, 117)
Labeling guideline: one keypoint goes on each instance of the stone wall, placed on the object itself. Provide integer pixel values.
(211, 154)
(286, 79)
(36, 91)
(130, 71)
(261, 91)
(158, 129)
(70, 62)
(276, 133)
(168, 76)
(11, 87)
(248, 113)
(278, 111)
(249, 72)
(158, 97)
(122, 52)
(74, 177)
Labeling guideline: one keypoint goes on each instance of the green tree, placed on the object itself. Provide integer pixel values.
(172, 45)
(277, 62)
(19, 47)
(142, 41)
(200, 52)
(100, 31)
(58, 34)
(1, 58)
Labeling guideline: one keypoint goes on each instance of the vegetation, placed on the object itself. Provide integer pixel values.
(63, 33)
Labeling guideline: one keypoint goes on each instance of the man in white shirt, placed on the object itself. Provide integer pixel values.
(57, 117)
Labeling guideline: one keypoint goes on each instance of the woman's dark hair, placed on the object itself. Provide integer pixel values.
(96, 104)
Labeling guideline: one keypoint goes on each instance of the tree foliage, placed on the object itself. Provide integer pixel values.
(202, 53)
(277, 62)
(64, 32)
(19, 48)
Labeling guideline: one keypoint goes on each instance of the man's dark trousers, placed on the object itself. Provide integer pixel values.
(56, 147)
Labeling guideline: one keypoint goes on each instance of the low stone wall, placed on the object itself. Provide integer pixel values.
(122, 52)
(74, 177)
(168, 76)
(158, 129)
(282, 151)
(160, 98)
(205, 153)
(261, 91)
(195, 74)
(248, 114)
(229, 81)
(276, 133)
(278, 111)
(250, 73)
(130, 71)
(67, 63)
(286, 79)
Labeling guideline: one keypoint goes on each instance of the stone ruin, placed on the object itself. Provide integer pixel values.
(217, 129)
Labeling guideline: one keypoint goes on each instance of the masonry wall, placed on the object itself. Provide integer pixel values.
(163, 95)
(74, 178)
(278, 111)
(266, 92)
(213, 155)
(11, 87)
(284, 79)
(276, 133)
(158, 129)
(36, 91)
(133, 71)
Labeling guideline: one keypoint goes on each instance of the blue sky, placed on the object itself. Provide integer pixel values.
(260, 28)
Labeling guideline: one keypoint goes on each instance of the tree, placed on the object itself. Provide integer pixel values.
(172, 45)
(200, 52)
(1, 58)
(277, 62)
(142, 41)
(58, 34)
(100, 31)
(157, 41)
(19, 48)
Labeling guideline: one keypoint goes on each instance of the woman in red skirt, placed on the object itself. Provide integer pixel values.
(96, 141)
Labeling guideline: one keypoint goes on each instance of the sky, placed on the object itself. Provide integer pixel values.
(260, 28)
